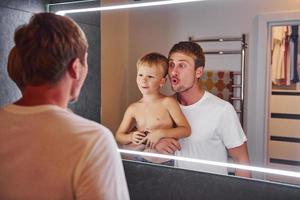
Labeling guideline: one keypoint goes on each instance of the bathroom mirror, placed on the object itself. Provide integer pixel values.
(126, 35)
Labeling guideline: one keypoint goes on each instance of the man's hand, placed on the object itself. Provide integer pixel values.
(167, 146)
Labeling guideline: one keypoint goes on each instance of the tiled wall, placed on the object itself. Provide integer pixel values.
(12, 14)
(88, 104)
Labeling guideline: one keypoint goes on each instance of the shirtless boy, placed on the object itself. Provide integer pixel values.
(155, 115)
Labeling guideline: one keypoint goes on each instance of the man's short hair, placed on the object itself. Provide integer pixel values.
(154, 60)
(44, 49)
(191, 49)
(14, 68)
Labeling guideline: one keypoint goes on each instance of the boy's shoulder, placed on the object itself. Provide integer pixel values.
(133, 106)
(169, 100)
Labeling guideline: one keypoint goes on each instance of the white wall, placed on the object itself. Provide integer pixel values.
(158, 28)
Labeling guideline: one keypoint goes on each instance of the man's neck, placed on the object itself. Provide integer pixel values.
(190, 96)
(43, 95)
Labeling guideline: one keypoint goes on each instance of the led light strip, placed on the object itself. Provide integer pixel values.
(214, 163)
(125, 6)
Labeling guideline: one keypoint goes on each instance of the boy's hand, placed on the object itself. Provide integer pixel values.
(153, 138)
(137, 137)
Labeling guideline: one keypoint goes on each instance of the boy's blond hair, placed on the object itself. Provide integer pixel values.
(154, 60)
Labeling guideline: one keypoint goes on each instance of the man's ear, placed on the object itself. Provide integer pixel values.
(74, 68)
(162, 81)
(199, 72)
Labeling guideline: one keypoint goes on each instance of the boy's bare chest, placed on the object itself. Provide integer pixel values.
(153, 116)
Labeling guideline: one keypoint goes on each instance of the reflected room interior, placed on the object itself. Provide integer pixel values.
(284, 126)
(230, 73)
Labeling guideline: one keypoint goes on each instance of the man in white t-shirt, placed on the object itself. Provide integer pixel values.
(216, 129)
(46, 151)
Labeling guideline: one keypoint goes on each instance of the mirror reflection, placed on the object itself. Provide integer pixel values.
(214, 123)
(128, 35)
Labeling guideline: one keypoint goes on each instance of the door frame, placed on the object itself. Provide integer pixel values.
(264, 86)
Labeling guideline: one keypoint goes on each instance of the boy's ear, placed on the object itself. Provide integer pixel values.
(162, 81)
(199, 72)
(74, 68)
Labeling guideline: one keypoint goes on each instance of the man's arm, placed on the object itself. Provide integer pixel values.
(233, 137)
(240, 156)
(167, 146)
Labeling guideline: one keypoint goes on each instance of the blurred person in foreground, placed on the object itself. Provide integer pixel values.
(46, 151)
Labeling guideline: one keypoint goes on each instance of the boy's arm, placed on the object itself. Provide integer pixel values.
(182, 128)
(123, 135)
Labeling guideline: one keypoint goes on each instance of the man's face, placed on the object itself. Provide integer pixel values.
(181, 71)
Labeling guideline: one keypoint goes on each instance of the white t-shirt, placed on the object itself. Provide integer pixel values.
(47, 152)
(215, 127)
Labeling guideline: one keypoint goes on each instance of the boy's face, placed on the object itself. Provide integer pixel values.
(149, 79)
(182, 72)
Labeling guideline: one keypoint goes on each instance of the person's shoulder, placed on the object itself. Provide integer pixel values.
(216, 101)
(169, 100)
(88, 130)
(78, 124)
(133, 107)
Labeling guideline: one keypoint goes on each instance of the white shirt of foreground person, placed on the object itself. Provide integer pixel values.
(47, 152)
(215, 127)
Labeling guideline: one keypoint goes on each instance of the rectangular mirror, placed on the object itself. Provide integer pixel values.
(127, 35)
